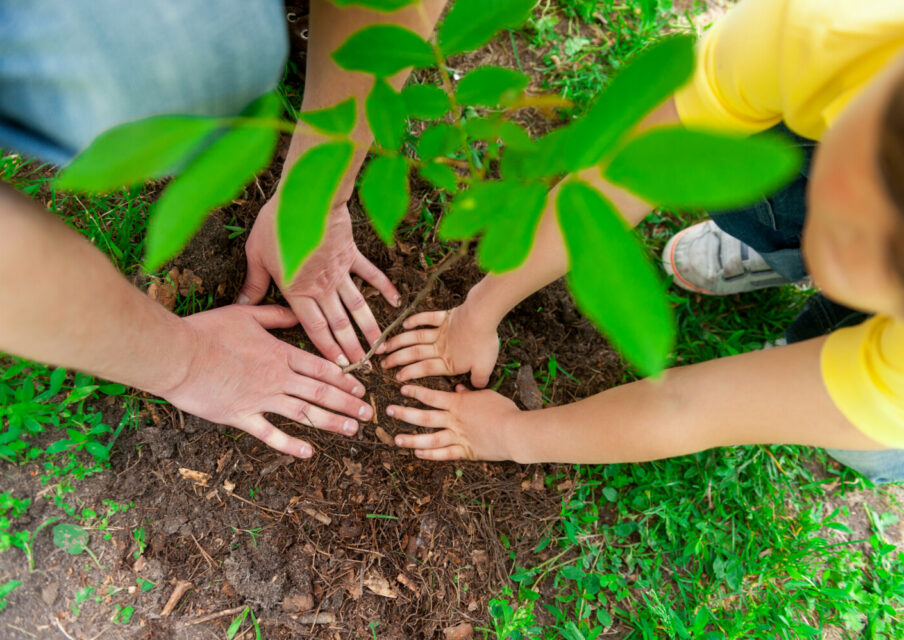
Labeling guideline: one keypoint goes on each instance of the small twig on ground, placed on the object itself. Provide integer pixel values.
(60, 627)
(181, 587)
(443, 266)
(214, 616)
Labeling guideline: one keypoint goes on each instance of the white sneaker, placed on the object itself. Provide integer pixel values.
(705, 259)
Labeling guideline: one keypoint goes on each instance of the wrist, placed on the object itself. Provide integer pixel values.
(175, 363)
(522, 446)
(482, 308)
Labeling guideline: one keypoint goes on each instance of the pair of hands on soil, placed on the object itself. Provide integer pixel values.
(239, 371)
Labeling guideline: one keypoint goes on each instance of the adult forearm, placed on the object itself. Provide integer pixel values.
(327, 84)
(764, 397)
(62, 302)
(496, 295)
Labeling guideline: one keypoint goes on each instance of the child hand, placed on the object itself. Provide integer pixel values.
(457, 345)
(471, 425)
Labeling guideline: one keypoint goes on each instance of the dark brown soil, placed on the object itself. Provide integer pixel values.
(364, 539)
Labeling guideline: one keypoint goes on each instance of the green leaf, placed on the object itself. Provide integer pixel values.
(112, 389)
(491, 86)
(612, 281)
(376, 5)
(441, 176)
(59, 445)
(498, 128)
(439, 140)
(9, 587)
(510, 233)
(71, 538)
(386, 115)
(514, 136)
(678, 168)
(384, 194)
(647, 81)
(214, 178)
(472, 23)
(472, 209)
(56, 381)
(134, 152)
(97, 450)
(338, 119)
(306, 199)
(383, 50)
(425, 102)
(236, 624)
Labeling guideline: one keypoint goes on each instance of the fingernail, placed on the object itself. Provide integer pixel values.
(305, 451)
(363, 411)
(242, 299)
(350, 427)
(396, 301)
(399, 441)
(405, 391)
(342, 361)
(358, 391)
(390, 411)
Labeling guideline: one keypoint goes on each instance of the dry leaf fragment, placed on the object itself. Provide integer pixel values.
(324, 617)
(384, 437)
(527, 387)
(319, 516)
(459, 632)
(198, 477)
(379, 585)
(405, 580)
(228, 486)
(163, 295)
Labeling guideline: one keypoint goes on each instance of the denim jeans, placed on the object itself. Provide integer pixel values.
(70, 69)
(773, 226)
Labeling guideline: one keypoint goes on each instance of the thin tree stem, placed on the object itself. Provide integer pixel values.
(443, 266)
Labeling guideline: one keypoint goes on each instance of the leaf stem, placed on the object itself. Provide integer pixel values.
(445, 265)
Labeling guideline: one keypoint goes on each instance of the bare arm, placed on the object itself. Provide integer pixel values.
(62, 302)
(322, 294)
(763, 397)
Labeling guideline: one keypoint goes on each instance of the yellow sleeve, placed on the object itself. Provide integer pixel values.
(735, 85)
(863, 371)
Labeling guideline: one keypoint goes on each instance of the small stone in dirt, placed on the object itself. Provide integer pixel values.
(527, 387)
(298, 602)
(49, 593)
(459, 632)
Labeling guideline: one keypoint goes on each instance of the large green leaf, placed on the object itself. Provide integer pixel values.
(376, 5)
(384, 193)
(471, 210)
(496, 128)
(383, 50)
(441, 176)
(471, 23)
(425, 102)
(491, 86)
(675, 167)
(385, 113)
(134, 152)
(439, 140)
(612, 281)
(510, 234)
(214, 178)
(338, 119)
(650, 78)
(71, 538)
(307, 196)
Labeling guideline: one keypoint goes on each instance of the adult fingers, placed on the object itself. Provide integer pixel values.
(420, 417)
(306, 413)
(366, 269)
(307, 364)
(435, 440)
(273, 316)
(424, 368)
(429, 318)
(341, 326)
(410, 354)
(327, 396)
(454, 452)
(357, 306)
(257, 281)
(418, 336)
(263, 430)
(429, 397)
(318, 329)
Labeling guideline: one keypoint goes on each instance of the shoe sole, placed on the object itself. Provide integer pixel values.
(668, 263)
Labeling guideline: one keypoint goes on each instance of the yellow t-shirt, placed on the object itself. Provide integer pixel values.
(801, 61)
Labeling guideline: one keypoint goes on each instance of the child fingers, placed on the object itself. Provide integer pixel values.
(418, 336)
(424, 368)
(454, 452)
(435, 440)
(410, 354)
(422, 418)
(429, 318)
(429, 397)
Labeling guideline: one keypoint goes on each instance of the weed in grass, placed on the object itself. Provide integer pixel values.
(6, 589)
(239, 621)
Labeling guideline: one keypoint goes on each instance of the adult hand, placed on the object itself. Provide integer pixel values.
(470, 425)
(322, 294)
(460, 342)
(239, 371)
